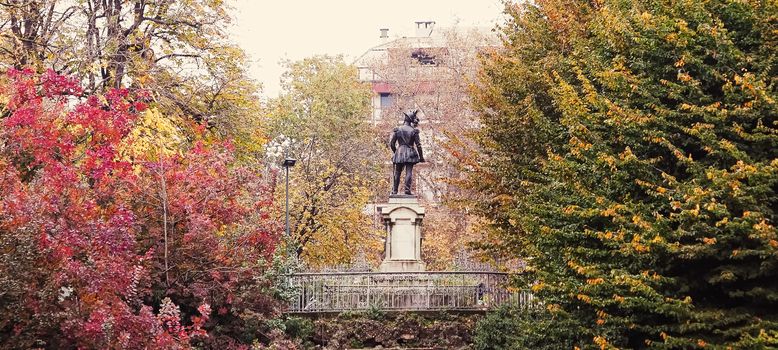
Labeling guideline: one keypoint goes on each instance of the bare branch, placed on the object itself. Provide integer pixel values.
(178, 55)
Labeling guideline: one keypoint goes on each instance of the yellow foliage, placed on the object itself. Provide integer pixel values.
(582, 270)
(680, 63)
(553, 308)
(154, 135)
(640, 222)
(577, 145)
(612, 210)
(695, 211)
(601, 341)
(342, 230)
(764, 228)
(583, 297)
(627, 154)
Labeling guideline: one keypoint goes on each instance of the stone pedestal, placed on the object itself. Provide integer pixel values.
(402, 218)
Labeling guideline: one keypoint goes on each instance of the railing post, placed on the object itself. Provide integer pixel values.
(428, 289)
(368, 290)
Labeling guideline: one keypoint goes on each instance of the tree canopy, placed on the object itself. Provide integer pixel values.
(629, 155)
(177, 50)
(107, 248)
(323, 109)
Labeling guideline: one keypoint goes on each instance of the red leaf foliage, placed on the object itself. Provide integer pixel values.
(83, 231)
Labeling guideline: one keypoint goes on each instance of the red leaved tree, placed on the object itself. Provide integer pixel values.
(99, 252)
(204, 218)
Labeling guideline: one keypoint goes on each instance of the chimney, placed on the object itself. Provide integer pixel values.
(384, 33)
(424, 28)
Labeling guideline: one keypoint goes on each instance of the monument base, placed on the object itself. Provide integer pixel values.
(402, 218)
(403, 266)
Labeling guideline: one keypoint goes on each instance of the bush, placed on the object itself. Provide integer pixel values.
(510, 328)
(298, 328)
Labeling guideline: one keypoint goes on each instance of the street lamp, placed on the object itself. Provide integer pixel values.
(288, 163)
(280, 146)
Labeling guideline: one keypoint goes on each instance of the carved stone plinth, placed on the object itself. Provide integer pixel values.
(402, 218)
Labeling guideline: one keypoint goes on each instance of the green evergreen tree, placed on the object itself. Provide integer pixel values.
(629, 154)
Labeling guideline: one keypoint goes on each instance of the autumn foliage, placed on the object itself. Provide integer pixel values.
(629, 155)
(102, 250)
(322, 108)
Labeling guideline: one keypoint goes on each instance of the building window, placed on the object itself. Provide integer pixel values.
(386, 100)
(424, 58)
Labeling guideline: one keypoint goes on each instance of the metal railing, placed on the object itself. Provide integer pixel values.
(403, 291)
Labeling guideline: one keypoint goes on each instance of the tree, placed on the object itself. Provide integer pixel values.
(322, 107)
(207, 219)
(82, 228)
(629, 155)
(176, 49)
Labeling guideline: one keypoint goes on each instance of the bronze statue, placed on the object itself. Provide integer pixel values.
(409, 151)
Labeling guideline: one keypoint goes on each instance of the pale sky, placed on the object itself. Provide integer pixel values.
(270, 31)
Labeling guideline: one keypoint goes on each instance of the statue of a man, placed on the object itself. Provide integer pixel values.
(409, 151)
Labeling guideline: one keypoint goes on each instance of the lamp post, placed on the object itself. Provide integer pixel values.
(275, 149)
(288, 163)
